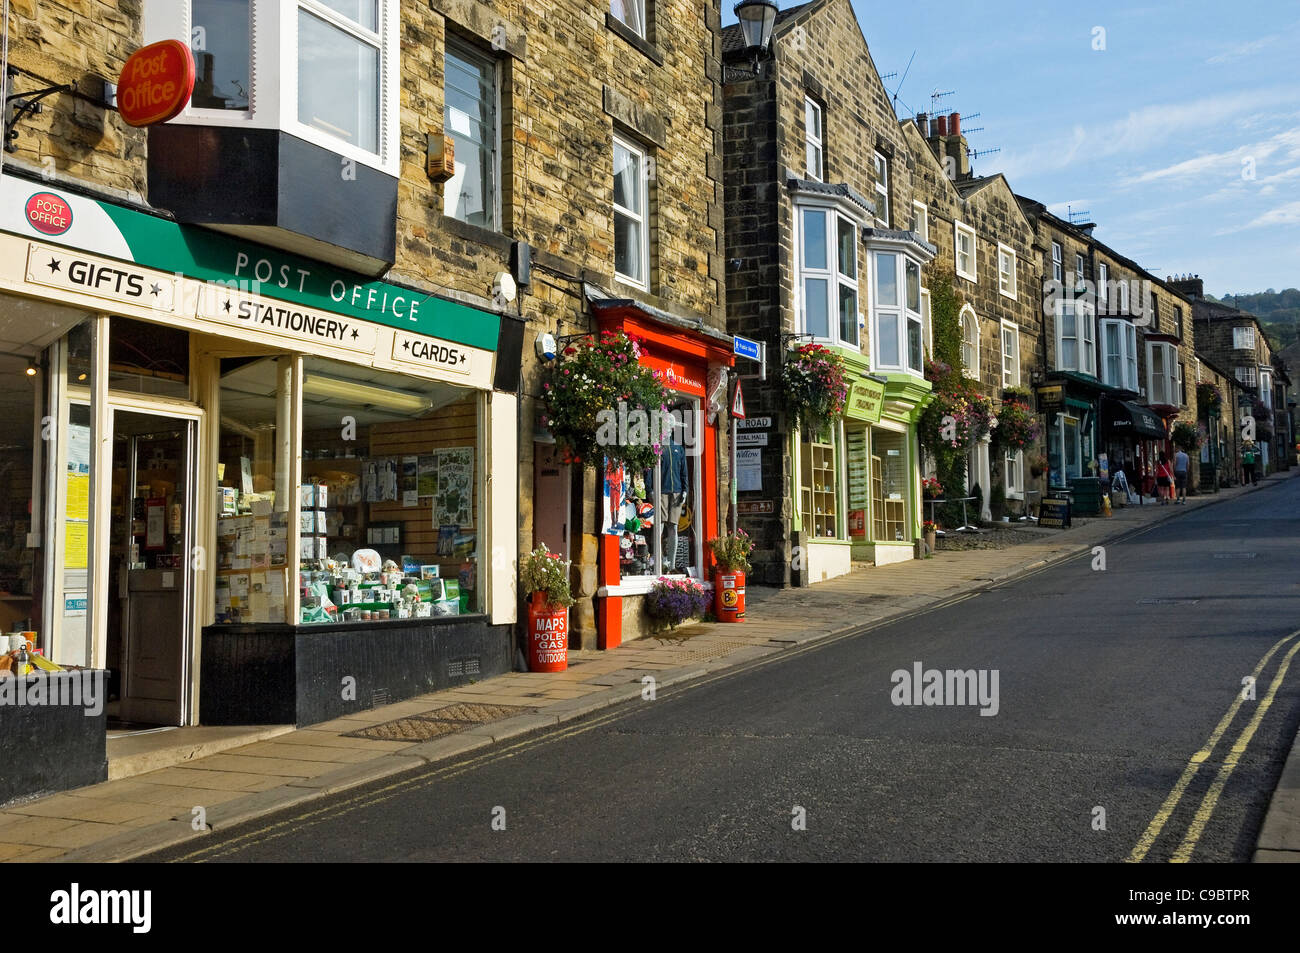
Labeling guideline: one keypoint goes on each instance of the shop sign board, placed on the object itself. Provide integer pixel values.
(431, 353)
(48, 213)
(1054, 513)
(751, 438)
(156, 83)
(744, 347)
(300, 325)
(68, 270)
(756, 508)
(866, 397)
(1051, 398)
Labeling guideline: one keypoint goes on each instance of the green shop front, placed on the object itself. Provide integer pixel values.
(1069, 402)
(229, 470)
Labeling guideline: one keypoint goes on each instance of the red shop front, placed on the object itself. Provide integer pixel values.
(658, 523)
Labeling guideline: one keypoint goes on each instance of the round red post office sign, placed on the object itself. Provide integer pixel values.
(48, 214)
(156, 83)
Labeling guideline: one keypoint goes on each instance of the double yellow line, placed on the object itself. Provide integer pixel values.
(1202, 817)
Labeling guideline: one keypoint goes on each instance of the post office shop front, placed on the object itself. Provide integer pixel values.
(242, 493)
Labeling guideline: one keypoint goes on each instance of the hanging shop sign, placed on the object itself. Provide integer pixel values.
(1051, 398)
(1054, 513)
(67, 270)
(866, 397)
(156, 83)
(48, 213)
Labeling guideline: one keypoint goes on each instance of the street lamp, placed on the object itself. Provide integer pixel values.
(757, 17)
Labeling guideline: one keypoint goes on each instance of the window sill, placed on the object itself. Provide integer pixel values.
(475, 233)
(641, 586)
(616, 25)
(1007, 294)
(967, 276)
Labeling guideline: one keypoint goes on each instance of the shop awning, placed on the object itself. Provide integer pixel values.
(1120, 418)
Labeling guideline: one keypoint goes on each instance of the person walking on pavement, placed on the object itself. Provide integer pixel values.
(1164, 481)
(1248, 464)
(1181, 463)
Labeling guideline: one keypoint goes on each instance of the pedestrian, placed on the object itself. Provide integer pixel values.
(1181, 464)
(1164, 480)
(1248, 464)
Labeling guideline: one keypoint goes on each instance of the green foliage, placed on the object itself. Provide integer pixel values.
(945, 311)
(732, 551)
(544, 572)
(815, 386)
(1185, 437)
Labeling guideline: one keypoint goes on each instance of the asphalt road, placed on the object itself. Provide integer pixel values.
(1109, 682)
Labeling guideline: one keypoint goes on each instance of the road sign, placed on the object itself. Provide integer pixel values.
(738, 404)
(744, 347)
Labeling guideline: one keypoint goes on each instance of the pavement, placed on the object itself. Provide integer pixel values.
(133, 816)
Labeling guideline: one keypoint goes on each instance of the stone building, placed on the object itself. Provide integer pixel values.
(1118, 348)
(1234, 340)
(330, 268)
(995, 272)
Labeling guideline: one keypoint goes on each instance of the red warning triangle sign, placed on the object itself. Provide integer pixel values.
(738, 404)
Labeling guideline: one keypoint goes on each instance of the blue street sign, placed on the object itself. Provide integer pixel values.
(744, 347)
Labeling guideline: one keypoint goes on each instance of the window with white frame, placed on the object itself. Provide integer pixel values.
(1015, 471)
(1078, 271)
(325, 71)
(631, 224)
(828, 274)
(1057, 253)
(927, 322)
(1010, 355)
(899, 326)
(1246, 375)
(1266, 387)
(814, 137)
(1119, 366)
(1162, 373)
(1006, 271)
(1122, 296)
(470, 118)
(631, 13)
(882, 190)
(921, 220)
(964, 249)
(1243, 339)
(1103, 293)
(1075, 338)
(970, 342)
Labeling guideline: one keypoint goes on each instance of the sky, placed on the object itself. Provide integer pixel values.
(1176, 125)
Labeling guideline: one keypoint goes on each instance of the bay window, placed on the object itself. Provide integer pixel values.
(1119, 355)
(1243, 339)
(325, 71)
(1163, 372)
(1075, 338)
(899, 329)
(827, 257)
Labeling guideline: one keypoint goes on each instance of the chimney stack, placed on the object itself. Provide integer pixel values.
(954, 124)
(949, 145)
(1189, 286)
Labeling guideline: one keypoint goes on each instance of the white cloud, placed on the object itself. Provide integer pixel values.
(1288, 214)
(1232, 162)
(1242, 49)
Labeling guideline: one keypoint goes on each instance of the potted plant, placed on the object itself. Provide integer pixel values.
(731, 552)
(931, 488)
(815, 386)
(1017, 426)
(671, 602)
(1186, 437)
(1037, 465)
(930, 532)
(545, 576)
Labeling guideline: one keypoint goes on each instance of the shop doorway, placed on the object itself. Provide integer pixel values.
(151, 534)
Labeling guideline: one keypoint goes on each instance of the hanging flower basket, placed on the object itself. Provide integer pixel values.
(815, 387)
(1208, 399)
(1017, 426)
(603, 404)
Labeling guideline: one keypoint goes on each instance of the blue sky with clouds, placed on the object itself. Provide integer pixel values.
(1181, 137)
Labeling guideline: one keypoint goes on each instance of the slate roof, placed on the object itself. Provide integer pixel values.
(837, 189)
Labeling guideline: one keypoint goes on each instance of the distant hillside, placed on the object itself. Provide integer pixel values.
(1278, 313)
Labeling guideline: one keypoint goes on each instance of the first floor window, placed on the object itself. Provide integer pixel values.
(899, 330)
(1075, 338)
(1057, 257)
(882, 190)
(220, 38)
(1103, 293)
(1119, 355)
(1243, 339)
(631, 13)
(970, 342)
(921, 220)
(1010, 355)
(1163, 372)
(631, 239)
(339, 76)
(470, 118)
(828, 274)
(813, 139)
(1078, 271)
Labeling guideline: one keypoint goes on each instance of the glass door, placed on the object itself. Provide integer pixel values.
(150, 538)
